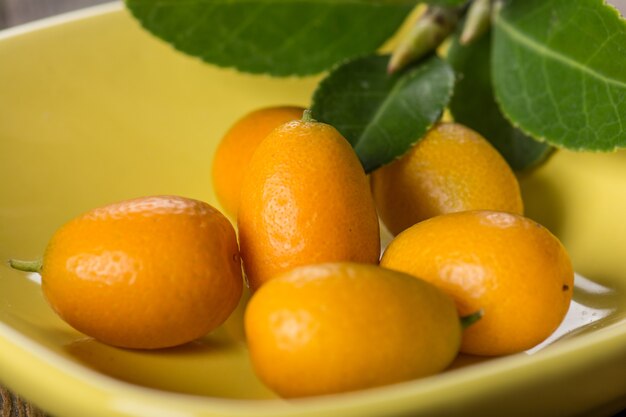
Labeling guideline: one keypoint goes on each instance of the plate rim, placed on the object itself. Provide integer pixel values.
(409, 393)
(60, 19)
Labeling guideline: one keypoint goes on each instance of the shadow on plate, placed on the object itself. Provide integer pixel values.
(190, 368)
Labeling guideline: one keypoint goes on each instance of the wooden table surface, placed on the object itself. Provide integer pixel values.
(15, 12)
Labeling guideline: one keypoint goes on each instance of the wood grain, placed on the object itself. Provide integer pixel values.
(13, 406)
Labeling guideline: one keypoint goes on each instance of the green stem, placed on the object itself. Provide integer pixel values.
(307, 116)
(467, 321)
(26, 266)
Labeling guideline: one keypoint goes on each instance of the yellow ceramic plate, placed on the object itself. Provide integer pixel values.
(94, 110)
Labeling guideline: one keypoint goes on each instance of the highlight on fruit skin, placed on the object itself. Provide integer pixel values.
(338, 327)
(146, 273)
(305, 199)
(236, 148)
(510, 267)
(451, 169)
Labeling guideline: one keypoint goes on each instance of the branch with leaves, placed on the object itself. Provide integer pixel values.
(529, 75)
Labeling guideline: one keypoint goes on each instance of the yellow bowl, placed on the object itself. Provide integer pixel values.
(94, 110)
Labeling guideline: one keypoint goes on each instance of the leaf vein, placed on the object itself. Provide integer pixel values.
(244, 24)
(389, 101)
(614, 106)
(553, 100)
(584, 101)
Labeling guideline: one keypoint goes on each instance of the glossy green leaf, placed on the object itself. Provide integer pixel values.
(559, 71)
(474, 105)
(383, 115)
(279, 37)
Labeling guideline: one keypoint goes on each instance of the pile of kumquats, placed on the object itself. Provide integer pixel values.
(466, 271)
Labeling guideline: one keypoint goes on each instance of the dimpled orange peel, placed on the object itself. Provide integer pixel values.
(305, 199)
(236, 148)
(451, 169)
(508, 266)
(147, 273)
(331, 328)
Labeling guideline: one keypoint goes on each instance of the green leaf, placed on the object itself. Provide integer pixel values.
(474, 105)
(559, 70)
(383, 115)
(279, 37)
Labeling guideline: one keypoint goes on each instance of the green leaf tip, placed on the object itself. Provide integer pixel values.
(26, 266)
(470, 319)
(382, 116)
